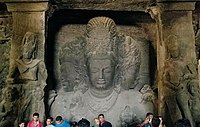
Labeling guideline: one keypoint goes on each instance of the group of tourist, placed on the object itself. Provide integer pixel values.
(60, 122)
(150, 121)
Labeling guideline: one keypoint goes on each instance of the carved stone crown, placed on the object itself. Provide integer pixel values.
(30, 41)
(100, 36)
(172, 43)
(107, 55)
(104, 22)
(31, 38)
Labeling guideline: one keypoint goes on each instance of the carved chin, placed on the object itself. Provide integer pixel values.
(100, 86)
(27, 56)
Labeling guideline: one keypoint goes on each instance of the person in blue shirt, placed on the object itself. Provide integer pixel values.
(61, 123)
(49, 122)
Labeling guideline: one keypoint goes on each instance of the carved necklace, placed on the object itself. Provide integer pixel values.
(27, 62)
(100, 105)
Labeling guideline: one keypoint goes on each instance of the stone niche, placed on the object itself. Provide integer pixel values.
(101, 62)
(100, 56)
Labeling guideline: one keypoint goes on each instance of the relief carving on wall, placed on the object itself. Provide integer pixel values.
(30, 74)
(5, 29)
(98, 73)
(194, 102)
(5, 39)
(196, 25)
(120, 5)
(9, 107)
(176, 79)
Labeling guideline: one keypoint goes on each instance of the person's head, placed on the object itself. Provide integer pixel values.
(96, 121)
(155, 122)
(73, 124)
(29, 45)
(182, 123)
(149, 115)
(83, 123)
(35, 116)
(59, 120)
(101, 118)
(22, 124)
(49, 120)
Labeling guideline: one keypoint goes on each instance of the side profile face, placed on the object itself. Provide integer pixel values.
(101, 73)
(68, 76)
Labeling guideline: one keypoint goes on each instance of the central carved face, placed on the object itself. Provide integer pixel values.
(101, 73)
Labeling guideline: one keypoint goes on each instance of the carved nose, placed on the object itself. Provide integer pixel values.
(101, 76)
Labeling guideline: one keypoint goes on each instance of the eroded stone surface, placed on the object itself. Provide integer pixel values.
(100, 73)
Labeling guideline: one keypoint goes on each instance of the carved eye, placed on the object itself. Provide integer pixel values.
(94, 70)
(107, 70)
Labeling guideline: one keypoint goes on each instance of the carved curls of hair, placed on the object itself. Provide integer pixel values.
(103, 22)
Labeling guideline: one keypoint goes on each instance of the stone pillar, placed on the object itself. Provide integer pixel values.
(175, 29)
(28, 16)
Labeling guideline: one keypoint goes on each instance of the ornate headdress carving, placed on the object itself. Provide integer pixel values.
(101, 22)
(100, 35)
(172, 43)
(31, 38)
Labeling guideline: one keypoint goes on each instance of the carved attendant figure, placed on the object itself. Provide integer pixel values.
(9, 107)
(31, 68)
(32, 73)
(176, 75)
(193, 88)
